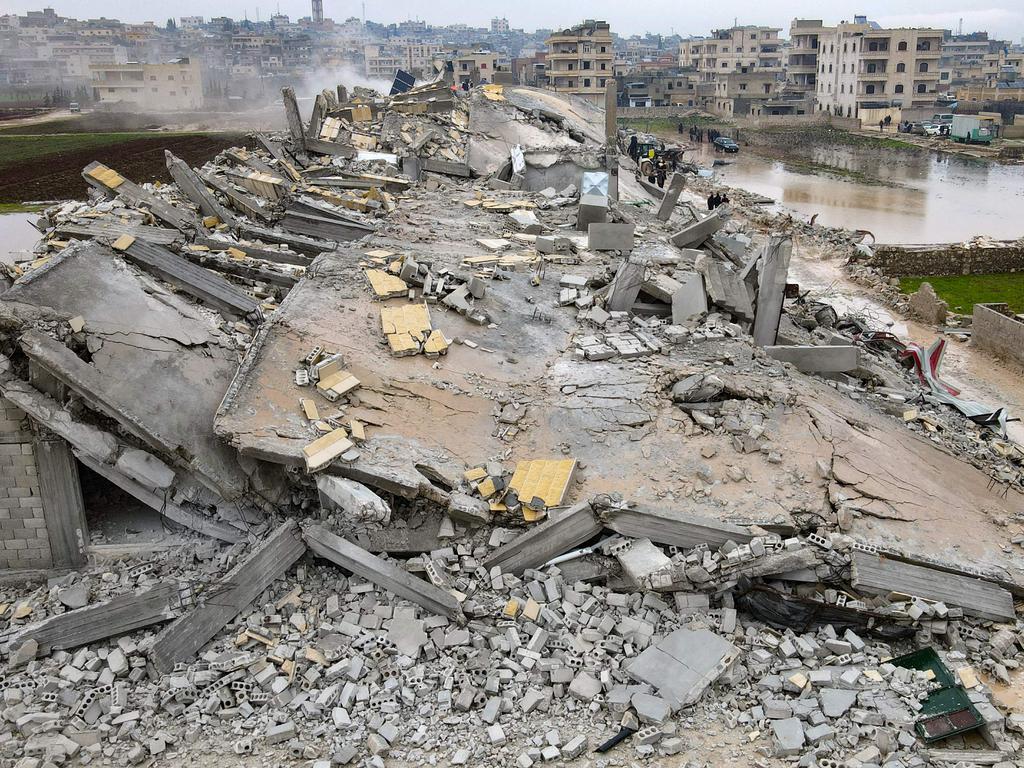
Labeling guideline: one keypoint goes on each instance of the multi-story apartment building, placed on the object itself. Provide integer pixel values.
(738, 94)
(1003, 65)
(580, 60)
(740, 49)
(863, 66)
(500, 26)
(175, 85)
(963, 57)
(659, 89)
(802, 55)
(475, 67)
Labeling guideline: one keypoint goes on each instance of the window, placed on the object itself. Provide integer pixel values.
(924, 45)
(902, 45)
(922, 88)
(842, 88)
(465, 66)
(767, 88)
(743, 86)
(603, 82)
(898, 89)
(829, 67)
(901, 67)
(586, 82)
(604, 49)
(844, 47)
(923, 66)
(586, 65)
(152, 77)
(170, 77)
(603, 65)
(869, 88)
(483, 65)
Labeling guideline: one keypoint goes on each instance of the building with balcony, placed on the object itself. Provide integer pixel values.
(580, 60)
(176, 85)
(802, 55)
(659, 89)
(862, 66)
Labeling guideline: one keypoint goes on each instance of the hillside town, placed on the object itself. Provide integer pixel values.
(851, 68)
(391, 395)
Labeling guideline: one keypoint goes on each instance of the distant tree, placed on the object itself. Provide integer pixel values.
(171, 26)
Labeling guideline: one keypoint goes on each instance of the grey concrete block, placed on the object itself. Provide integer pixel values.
(610, 237)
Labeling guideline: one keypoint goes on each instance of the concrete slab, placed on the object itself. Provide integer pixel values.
(683, 665)
(610, 237)
(593, 210)
(811, 359)
(690, 300)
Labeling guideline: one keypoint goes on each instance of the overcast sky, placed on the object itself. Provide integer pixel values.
(1002, 18)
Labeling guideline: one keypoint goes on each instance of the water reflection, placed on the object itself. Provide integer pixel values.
(937, 198)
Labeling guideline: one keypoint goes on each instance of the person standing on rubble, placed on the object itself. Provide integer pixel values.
(632, 147)
(662, 171)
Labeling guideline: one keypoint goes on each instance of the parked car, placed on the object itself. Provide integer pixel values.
(931, 129)
(725, 144)
(74, 107)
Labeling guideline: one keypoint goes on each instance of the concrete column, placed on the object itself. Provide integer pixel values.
(291, 110)
(771, 290)
(63, 507)
(611, 130)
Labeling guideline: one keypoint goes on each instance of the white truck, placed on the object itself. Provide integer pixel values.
(969, 129)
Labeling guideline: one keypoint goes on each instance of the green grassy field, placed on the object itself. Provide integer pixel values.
(962, 292)
(20, 208)
(668, 124)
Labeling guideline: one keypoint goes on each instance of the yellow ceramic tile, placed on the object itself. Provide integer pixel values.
(386, 286)
(546, 479)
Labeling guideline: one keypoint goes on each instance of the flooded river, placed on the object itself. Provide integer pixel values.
(17, 235)
(924, 197)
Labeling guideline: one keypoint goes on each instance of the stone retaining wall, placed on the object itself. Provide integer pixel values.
(24, 542)
(950, 259)
(997, 331)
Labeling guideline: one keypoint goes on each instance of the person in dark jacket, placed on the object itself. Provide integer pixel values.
(632, 147)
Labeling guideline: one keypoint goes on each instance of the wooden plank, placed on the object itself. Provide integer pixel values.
(354, 558)
(63, 506)
(204, 285)
(557, 535)
(92, 623)
(194, 189)
(874, 573)
(672, 527)
(227, 597)
(165, 507)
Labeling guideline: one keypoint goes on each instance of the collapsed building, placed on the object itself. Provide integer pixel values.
(483, 453)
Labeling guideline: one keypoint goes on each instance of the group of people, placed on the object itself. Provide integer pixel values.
(715, 200)
(700, 135)
(659, 166)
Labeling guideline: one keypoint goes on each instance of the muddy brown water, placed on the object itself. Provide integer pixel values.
(900, 196)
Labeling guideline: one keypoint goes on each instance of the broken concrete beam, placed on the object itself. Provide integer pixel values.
(123, 614)
(668, 202)
(354, 558)
(312, 246)
(355, 500)
(671, 527)
(446, 167)
(208, 287)
(593, 210)
(278, 153)
(192, 520)
(682, 665)
(113, 229)
(333, 148)
(194, 189)
(689, 300)
(560, 533)
(223, 600)
(240, 201)
(661, 287)
(110, 182)
(725, 287)
(771, 290)
(811, 359)
(87, 439)
(251, 251)
(625, 286)
(291, 111)
(696, 233)
(610, 237)
(977, 597)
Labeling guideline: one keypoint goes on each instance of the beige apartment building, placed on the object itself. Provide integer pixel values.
(864, 67)
(802, 55)
(176, 85)
(580, 60)
(737, 49)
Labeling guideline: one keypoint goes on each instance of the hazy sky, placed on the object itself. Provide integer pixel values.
(1002, 18)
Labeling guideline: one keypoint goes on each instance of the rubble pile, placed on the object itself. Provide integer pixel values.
(471, 462)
